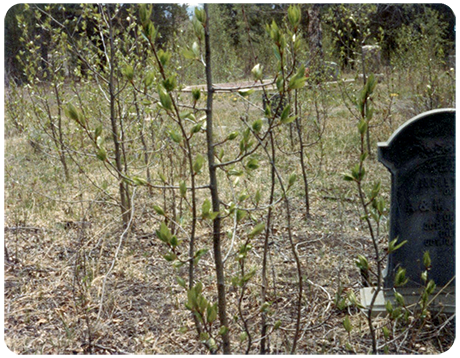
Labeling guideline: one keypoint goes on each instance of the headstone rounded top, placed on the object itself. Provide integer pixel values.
(421, 158)
(427, 135)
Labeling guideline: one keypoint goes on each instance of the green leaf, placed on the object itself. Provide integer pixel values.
(246, 92)
(205, 208)
(375, 190)
(198, 28)
(235, 172)
(149, 79)
(369, 112)
(128, 72)
(389, 306)
(159, 210)
(144, 13)
(353, 299)
(198, 164)
(196, 94)
(358, 172)
(400, 277)
(72, 112)
(347, 324)
(296, 83)
(223, 330)
(232, 135)
(191, 296)
(236, 282)
(268, 111)
(362, 263)
(164, 234)
(165, 99)
(202, 303)
(164, 56)
(294, 15)
(211, 313)
(257, 196)
(178, 264)
(139, 181)
(196, 49)
(427, 260)
(257, 72)
(292, 179)
(99, 141)
(101, 154)
(183, 189)
(399, 298)
(189, 54)
(187, 115)
(98, 131)
(212, 344)
(386, 332)
(200, 14)
(171, 256)
(362, 126)
(199, 285)
(257, 230)
(430, 287)
(347, 177)
(249, 275)
(240, 215)
(265, 306)
(196, 128)
(285, 114)
(257, 125)
(170, 83)
(396, 313)
(150, 31)
(181, 281)
(393, 246)
(176, 137)
(280, 80)
(252, 164)
(370, 84)
(174, 241)
(288, 120)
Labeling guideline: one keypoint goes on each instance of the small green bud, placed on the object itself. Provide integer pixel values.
(196, 94)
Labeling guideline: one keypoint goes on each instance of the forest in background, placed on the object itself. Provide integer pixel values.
(239, 32)
(145, 214)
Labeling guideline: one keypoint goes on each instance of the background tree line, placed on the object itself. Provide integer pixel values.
(239, 31)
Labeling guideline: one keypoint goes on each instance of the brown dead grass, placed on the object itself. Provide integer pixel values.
(54, 278)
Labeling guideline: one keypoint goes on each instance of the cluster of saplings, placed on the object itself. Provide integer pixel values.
(104, 87)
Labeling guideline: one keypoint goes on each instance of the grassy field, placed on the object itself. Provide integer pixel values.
(77, 282)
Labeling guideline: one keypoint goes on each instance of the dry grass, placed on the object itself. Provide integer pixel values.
(62, 239)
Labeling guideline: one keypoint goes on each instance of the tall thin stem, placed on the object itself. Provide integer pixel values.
(213, 185)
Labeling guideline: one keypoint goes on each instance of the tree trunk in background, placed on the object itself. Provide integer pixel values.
(315, 36)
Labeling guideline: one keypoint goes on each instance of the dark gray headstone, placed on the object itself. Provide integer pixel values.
(421, 158)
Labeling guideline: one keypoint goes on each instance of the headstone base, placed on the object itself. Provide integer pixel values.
(442, 302)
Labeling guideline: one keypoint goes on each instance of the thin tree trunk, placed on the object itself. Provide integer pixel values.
(219, 266)
(124, 203)
(263, 294)
(62, 148)
(302, 159)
